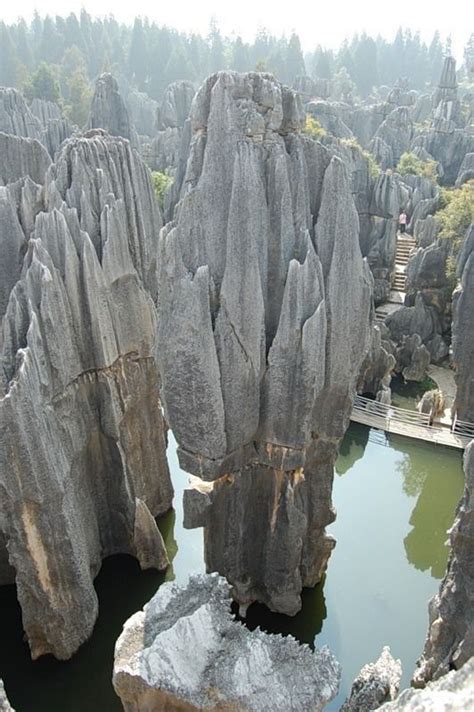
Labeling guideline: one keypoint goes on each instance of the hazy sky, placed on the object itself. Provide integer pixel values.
(326, 22)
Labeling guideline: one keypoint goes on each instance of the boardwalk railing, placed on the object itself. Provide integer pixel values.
(463, 428)
(410, 423)
(390, 412)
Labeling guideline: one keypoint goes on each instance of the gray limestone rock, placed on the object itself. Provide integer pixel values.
(396, 131)
(20, 202)
(143, 111)
(375, 684)
(421, 110)
(256, 337)
(310, 88)
(175, 105)
(15, 116)
(45, 111)
(4, 703)
(330, 115)
(466, 170)
(365, 121)
(426, 267)
(81, 425)
(450, 640)
(463, 332)
(454, 692)
(55, 133)
(22, 157)
(185, 651)
(108, 110)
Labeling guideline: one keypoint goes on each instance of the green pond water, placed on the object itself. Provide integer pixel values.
(395, 499)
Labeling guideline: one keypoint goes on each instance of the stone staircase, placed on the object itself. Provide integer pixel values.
(405, 244)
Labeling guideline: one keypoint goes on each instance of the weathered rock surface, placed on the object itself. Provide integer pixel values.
(450, 640)
(466, 171)
(375, 684)
(175, 105)
(259, 347)
(396, 131)
(22, 157)
(454, 692)
(143, 112)
(81, 427)
(15, 116)
(185, 651)
(311, 88)
(463, 332)
(20, 202)
(447, 140)
(4, 703)
(108, 110)
(45, 111)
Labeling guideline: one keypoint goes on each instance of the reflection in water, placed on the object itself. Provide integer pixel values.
(85, 681)
(305, 626)
(352, 447)
(384, 569)
(438, 491)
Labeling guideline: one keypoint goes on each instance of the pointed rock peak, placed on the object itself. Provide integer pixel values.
(448, 74)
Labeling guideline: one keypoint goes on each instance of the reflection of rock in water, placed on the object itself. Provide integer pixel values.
(352, 447)
(432, 516)
(305, 626)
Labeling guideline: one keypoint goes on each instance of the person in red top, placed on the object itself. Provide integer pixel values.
(402, 222)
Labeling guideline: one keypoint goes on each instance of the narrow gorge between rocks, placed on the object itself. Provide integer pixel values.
(395, 500)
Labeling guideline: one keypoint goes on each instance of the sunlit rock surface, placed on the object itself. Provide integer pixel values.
(260, 347)
(185, 651)
(4, 703)
(375, 684)
(450, 640)
(83, 466)
(454, 692)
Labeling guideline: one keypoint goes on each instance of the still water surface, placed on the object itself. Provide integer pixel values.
(395, 500)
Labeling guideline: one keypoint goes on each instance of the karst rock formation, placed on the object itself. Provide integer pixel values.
(264, 314)
(83, 466)
(185, 651)
(450, 641)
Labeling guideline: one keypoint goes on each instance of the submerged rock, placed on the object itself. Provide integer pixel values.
(186, 651)
(454, 692)
(81, 426)
(259, 347)
(375, 684)
(450, 640)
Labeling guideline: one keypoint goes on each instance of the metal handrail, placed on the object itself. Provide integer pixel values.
(390, 412)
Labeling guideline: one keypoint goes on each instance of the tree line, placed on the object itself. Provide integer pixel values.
(58, 58)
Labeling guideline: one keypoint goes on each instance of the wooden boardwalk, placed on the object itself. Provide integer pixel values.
(410, 424)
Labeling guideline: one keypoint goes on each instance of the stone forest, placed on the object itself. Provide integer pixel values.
(236, 372)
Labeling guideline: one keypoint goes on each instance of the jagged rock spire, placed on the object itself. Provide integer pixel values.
(82, 437)
(257, 339)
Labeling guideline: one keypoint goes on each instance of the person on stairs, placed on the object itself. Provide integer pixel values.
(402, 222)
